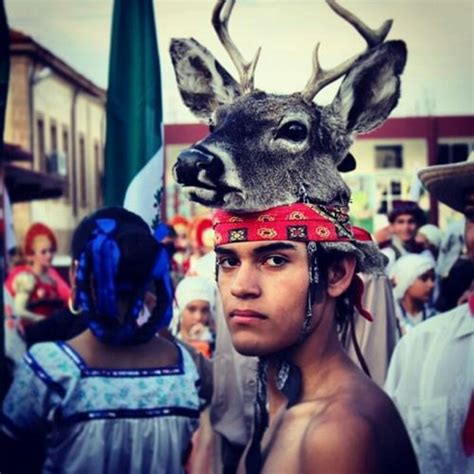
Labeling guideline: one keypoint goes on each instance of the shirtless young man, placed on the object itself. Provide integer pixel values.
(341, 421)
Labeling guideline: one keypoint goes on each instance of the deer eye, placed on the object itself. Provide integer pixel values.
(293, 131)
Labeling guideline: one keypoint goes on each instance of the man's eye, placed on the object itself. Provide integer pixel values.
(276, 261)
(227, 262)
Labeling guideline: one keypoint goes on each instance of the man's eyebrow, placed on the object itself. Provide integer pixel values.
(222, 251)
(275, 247)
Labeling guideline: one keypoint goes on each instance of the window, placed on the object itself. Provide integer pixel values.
(388, 156)
(65, 148)
(454, 152)
(41, 163)
(98, 174)
(53, 137)
(390, 191)
(82, 171)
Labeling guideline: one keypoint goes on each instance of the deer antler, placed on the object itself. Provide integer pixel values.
(246, 69)
(320, 78)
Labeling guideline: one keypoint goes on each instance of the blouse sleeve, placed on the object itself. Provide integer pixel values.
(31, 401)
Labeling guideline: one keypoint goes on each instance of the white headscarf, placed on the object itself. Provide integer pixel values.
(189, 289)
(432, 233)
(407, 269)
(193, 288)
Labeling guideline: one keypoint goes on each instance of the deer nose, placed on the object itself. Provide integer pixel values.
(191, 161)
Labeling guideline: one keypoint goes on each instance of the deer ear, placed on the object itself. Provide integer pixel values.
(371, 89)
(203, 83)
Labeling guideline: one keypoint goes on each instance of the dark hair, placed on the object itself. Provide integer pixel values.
(345, 303)
(400, 207)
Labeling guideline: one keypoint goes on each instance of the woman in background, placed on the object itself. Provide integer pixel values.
(194, 313)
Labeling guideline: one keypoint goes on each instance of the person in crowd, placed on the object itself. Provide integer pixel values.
(429, 236)
(431, 375)
(201, 238)
(455, 268)
(413, 278)
(195, 301)
(33, 290)
(181, 227)
(37, 288)
(116, 381)
(405, 218)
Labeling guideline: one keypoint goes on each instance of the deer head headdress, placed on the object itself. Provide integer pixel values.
(264, 149)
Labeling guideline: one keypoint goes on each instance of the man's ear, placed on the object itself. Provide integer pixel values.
(203, 83)
(340, 275)
(371, 89)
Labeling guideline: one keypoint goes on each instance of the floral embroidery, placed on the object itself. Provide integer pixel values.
(266, 218)
(236, 219)
(297, 232)
(266, 233)
(296, 216)
(323, 231)
(238, 235)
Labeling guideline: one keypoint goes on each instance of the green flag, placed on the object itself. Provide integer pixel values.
(134, 143)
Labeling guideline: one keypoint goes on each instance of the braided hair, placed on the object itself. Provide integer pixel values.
(119, 260)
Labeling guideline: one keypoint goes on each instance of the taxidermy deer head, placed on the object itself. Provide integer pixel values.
(265, 150)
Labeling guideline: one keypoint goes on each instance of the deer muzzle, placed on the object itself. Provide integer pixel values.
(195, 163)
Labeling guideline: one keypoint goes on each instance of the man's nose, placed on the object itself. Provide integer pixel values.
(245, 283)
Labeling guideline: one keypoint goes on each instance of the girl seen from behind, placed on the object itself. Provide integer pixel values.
(116, 398)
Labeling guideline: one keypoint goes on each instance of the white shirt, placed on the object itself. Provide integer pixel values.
(431, 379)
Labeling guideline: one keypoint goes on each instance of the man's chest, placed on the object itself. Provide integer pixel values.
(282, 444)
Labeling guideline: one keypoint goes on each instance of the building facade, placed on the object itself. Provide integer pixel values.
(57, 116)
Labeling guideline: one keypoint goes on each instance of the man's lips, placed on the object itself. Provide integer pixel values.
(247, 314)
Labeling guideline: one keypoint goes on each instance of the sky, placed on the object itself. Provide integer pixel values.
(438, 79)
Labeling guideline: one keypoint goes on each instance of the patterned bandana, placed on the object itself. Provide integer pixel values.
(298, 222)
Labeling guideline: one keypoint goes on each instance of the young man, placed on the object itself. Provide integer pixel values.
(435, 395)
(405, 218)
(287, 280)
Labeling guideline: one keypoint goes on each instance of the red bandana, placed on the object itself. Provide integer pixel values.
(297, 222)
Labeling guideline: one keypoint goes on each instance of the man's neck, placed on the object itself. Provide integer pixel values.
(317, 357)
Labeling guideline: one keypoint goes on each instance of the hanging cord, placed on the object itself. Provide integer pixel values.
(347, 307)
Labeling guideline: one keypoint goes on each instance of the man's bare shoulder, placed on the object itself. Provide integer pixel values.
(359, 430)
(341, 441)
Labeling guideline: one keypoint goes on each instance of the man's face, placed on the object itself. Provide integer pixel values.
(469, 229)
(264, 288)
(404, 227)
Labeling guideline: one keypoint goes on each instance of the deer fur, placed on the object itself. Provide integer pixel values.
(261, 168)
(266, 150)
